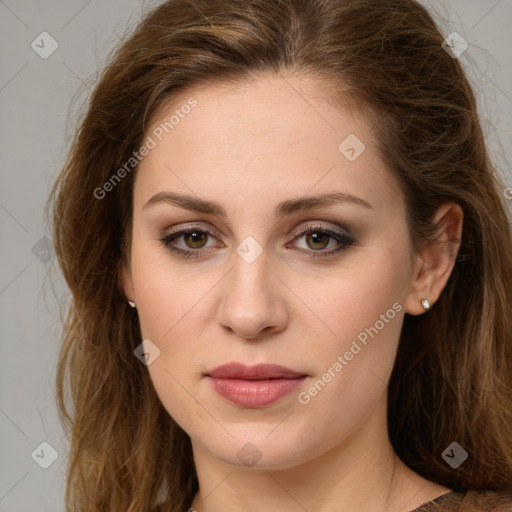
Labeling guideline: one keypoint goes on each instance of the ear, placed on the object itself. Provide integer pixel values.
(125, 278)
(435, 263)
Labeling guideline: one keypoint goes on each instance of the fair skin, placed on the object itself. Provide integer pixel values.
(248, 148)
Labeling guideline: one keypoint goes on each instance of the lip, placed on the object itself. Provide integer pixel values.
(257, 372)
(254, 386)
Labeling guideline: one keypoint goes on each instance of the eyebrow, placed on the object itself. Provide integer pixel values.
(286, 207)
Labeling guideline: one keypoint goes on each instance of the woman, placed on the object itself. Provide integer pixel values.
(289, 257)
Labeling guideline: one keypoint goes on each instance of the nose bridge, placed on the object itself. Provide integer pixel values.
(249, 285)
(250, 300)
(250, 269)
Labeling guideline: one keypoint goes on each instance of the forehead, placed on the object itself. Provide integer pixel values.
(269, 133)
(269, 106)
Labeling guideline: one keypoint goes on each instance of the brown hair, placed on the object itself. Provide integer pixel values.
(452, 380)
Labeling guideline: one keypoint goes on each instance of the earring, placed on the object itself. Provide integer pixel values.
(132, 304)
(426, 304)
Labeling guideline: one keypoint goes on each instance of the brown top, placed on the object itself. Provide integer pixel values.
(469, 501)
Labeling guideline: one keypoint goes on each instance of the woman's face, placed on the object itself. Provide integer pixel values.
(274, 274)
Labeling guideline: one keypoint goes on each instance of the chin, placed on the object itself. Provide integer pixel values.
(260, 452)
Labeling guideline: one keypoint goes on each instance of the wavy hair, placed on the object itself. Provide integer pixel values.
(452, 380)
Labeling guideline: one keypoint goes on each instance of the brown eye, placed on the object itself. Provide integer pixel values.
(317, 240)
(195, 239)
(190, 242)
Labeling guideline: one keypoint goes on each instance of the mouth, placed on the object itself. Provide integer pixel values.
(254, 386)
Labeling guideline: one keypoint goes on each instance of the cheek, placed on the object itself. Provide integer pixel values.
(171, 378)
(169, 304)
(358, 316)
(355, 355)
(354, 298)
(167, 296)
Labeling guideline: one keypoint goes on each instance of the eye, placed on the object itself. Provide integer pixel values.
(316, 237)
(195, 240)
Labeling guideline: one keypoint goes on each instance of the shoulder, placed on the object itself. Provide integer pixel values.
(488, 501)
(469, 501)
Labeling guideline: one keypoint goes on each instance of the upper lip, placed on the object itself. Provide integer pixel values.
(256, 372)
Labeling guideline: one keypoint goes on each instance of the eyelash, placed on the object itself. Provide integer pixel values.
(343, 239)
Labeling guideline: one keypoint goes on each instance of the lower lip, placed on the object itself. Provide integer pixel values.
(254, 393)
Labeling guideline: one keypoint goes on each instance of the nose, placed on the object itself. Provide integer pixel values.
(253, 300)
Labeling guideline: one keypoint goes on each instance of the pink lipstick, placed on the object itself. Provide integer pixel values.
(254, 386)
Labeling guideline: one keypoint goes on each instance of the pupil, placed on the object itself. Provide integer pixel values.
(317, 238)
(196, 237)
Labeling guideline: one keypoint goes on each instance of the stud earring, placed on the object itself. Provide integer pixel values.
(426, 304)
(132, 304)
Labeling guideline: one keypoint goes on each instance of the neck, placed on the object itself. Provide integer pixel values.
(361, 473)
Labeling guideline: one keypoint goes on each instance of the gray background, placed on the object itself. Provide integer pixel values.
(35, 128)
